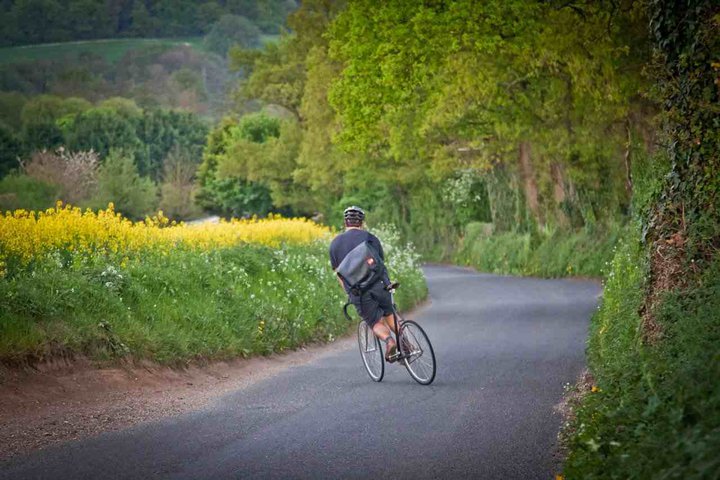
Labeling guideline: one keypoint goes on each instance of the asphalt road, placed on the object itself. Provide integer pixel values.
(505, 347)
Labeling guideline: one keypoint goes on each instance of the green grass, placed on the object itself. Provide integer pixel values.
(557, 253)
(657, 414)
(223, 303)
(111, 49)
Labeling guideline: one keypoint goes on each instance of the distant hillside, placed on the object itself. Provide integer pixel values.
(28, 22)
(111, 50)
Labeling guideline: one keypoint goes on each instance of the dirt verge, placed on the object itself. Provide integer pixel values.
(59, 402)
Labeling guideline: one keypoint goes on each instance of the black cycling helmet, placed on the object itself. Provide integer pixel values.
(354, 216)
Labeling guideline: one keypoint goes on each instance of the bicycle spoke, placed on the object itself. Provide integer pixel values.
(420, 360)
(371, 352)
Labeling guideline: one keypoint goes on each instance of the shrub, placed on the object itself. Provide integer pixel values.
(232, 30)
(120, 183)
(74, 174)
(21, 191)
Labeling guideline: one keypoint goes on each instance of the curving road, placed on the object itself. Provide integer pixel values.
(505, 347)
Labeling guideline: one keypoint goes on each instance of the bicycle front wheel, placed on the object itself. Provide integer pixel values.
(418, 353)
(371, 352)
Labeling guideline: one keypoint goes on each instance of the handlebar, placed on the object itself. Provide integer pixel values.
(347, 315)
(392, 286)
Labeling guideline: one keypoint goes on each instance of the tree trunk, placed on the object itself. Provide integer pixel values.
(558, 179)
(527, 172)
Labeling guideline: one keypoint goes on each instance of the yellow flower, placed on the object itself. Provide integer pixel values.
(595, 389)
(26, 235)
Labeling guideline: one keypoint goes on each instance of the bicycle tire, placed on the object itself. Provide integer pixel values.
(420, 361)
(371, 352)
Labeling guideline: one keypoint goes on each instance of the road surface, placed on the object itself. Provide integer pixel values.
(505, 347)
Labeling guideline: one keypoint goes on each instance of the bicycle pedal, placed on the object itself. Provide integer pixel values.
(394, 358)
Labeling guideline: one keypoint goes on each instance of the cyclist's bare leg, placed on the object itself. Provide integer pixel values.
(382, 328)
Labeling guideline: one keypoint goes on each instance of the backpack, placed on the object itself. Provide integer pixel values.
(361, 268)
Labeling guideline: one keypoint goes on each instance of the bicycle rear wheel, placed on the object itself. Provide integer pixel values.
(418, 353)
(371, 352)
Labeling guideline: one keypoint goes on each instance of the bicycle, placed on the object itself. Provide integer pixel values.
(414, 347)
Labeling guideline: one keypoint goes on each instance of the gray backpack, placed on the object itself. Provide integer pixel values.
(361, 268)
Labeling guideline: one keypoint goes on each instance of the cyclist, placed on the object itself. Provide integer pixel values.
(375, 304)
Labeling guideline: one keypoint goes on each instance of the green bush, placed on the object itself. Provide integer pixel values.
(120, 183)
(21, 191)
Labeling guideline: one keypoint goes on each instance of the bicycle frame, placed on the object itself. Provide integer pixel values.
(396, 320)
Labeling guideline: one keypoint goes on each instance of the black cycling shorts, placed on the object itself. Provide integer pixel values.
(373, 304)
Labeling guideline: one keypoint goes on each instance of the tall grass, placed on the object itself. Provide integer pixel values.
(544, 253)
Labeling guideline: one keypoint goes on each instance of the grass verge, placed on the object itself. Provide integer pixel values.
(655, 412)
(171, 306)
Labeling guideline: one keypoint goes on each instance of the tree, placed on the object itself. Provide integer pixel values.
(160, 131)
(230, 192)
(447, 84)
(177, 192)
(208, 13)
(125, 107)
(143, 23)
(89, 19)
(38, 21)
(119, 182)
(11, 106)
(50, 108)
(42, 136)
(179, 17)
(10, 150)
(103, 129)
(232, 30)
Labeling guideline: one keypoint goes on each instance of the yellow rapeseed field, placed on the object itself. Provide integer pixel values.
(26, 234)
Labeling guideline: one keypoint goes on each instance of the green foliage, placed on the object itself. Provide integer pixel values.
(653, 345)
(247, 165)
(232, 30)
(102, 129)
(42, 136)
(557, 253)
(651, 395)
(20, 191)
(216, 304)
(51, 108)
(161, 131)
(41, 21)
(177, 191)
(686, 67)
(154, 73)
(119, 182)
(11, 106)
(10, 150)
(234, 197)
